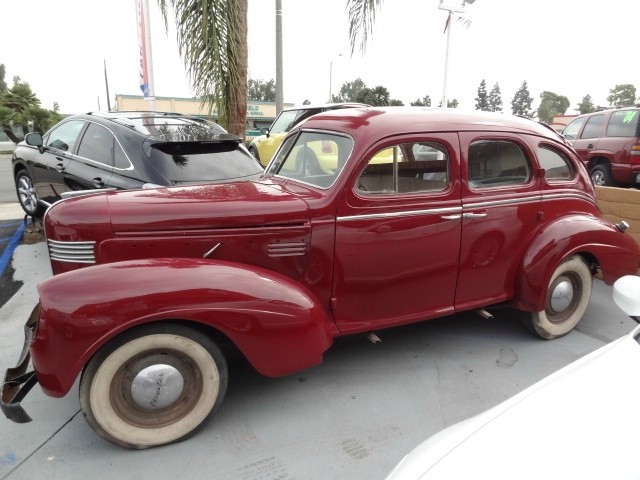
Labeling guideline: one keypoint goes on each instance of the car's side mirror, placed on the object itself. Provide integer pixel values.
(626, 295)
(264, 131)
(35, 140)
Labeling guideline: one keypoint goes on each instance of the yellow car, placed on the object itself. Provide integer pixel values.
(264, 146)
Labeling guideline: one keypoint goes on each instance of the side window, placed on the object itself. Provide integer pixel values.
(406, 168)
(496, 163)
(556, 166)
(623, 123)
(593, 127)
(97, 144)
(65, 136)
(571, 131)
(119, 157)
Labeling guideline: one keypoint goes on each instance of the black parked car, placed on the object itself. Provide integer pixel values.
(125, 150)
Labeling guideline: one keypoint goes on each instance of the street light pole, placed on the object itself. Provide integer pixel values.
(448, 26)
(279, 74)
(331, 76)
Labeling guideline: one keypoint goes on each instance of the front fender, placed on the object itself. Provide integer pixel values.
(278, 324)
(615, 252)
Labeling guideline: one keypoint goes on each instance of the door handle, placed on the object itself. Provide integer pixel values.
(590, 146)
(98, 183)
(474, 215)
(60, 167)
(451, 217)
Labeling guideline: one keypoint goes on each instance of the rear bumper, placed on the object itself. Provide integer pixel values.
(17, 381)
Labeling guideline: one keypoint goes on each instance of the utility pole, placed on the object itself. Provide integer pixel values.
(279, 88)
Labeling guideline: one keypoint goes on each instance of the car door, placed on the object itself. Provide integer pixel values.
(398, 235)
(501, 207)
(586, 141)
(50, 165)
(92, 165)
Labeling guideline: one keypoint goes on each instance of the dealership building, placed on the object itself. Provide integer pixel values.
(259, 114)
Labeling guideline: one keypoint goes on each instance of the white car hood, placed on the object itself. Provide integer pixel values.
(580, 422)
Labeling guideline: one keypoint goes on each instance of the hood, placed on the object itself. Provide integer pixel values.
(580, 422)
(201, 207)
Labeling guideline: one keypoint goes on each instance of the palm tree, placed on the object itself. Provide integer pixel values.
(212, 40)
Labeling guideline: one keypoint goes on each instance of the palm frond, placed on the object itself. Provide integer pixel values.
(212, 42)
(362, 15)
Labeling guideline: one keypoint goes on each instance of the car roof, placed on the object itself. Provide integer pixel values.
(327, 106)
(157, 125)
(400, 120)
(608, 111)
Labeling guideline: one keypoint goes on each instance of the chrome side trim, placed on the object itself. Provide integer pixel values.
(79, 193)
(408, 213)
(72, 252)
(507, 201)
(213, 249)
(564, 196)
(286, 249)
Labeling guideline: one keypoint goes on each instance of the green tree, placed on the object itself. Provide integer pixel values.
(495, 99)
(422, 102)
(482, 100)
(350, 91)
(521, 102)
(212, 41)
(552, 104)
(586, 105)
(20, 107)
(377, 96)
(394, 102)
(306, 102)
(261, 91)
(450, 103)
(3, 83)
(623, 95)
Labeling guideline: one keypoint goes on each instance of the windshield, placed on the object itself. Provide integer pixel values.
(204, 162)
(314, 158)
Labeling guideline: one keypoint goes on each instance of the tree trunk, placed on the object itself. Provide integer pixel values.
(12, 136)
(237, 118)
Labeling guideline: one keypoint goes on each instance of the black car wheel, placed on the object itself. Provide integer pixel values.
(27, 195)
(601, 176)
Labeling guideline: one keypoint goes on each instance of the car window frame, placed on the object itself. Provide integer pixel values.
(532, 163)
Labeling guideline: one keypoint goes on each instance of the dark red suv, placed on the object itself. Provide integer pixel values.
(608, 143)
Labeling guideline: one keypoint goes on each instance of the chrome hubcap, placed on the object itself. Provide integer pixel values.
(562, 296)
(157, 386)
(27, 194)
(598, 178)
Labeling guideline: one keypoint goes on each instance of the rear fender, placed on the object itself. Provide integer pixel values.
(279, 325)
(598, 241)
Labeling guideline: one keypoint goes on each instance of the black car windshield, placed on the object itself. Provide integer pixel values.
(315, 158)
(191, 162)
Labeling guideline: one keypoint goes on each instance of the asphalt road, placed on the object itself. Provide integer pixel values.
(7, 189)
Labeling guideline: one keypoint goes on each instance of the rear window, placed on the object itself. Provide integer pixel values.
(177, 129)
(203, 162)
(623, 123)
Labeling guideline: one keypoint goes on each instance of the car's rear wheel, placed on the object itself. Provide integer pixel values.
(567, 299)
(152, 386)
(601, 176)
(27, 195)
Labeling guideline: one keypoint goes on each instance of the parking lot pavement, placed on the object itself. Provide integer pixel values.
(355, 416)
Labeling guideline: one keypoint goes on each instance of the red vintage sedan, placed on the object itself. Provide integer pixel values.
(365, 218)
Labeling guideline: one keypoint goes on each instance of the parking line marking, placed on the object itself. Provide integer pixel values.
(8, 252)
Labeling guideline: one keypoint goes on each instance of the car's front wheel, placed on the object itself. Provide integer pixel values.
(153, 386)
(567, 299)
(27, 195)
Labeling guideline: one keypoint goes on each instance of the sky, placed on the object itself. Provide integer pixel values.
(569, 47)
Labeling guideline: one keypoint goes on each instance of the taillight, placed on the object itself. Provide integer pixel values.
(634, 155)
